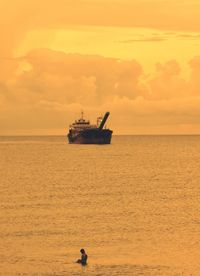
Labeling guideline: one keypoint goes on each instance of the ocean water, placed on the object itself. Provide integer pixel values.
(133, 205)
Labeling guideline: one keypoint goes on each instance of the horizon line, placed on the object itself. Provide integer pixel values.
(59, 135)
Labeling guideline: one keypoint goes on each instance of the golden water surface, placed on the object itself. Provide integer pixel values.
(133, 205)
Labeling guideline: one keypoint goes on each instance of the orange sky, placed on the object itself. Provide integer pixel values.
(138, 59)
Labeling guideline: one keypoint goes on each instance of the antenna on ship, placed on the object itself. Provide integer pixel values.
(82, 114)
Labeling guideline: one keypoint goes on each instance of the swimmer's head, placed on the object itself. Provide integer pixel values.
(82, 251)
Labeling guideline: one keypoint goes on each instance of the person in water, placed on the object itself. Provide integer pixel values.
(84, 257)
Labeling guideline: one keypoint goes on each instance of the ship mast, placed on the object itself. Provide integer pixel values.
(82, 114)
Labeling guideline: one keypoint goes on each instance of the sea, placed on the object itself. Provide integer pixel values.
(133, 205)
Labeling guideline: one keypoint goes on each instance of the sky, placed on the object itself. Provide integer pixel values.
(138, 59)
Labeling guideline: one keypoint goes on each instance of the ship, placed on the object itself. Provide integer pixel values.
(82, 132)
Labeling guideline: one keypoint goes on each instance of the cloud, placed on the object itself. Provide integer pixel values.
(194, 82)
(55, 82)
(55, 87)
(147, 39)
(142, 116)
(167, 82)
(163, 37)
(86, 79)
(188, 36)
(19, 16)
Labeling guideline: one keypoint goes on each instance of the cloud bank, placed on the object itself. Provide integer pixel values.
(46, 89)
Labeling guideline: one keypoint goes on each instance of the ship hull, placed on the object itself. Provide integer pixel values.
(90, 136)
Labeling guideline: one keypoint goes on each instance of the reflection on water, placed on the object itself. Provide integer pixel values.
(134, 205)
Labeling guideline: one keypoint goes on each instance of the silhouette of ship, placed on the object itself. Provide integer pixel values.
(82, 132)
